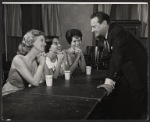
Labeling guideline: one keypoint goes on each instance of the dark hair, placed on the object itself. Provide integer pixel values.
(28, 40)
(48, 44)
(49, 41)
(71, 33)
(101, 17)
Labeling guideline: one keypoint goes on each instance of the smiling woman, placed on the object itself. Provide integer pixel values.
(75, 55)
(55, 59)
(27, 66)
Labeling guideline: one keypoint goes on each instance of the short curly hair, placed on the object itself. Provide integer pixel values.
(28, 40)
(71, 33)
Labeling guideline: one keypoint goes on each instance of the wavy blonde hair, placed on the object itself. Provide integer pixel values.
(28, 40)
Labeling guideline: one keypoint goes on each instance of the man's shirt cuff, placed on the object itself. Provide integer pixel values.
(109, 82)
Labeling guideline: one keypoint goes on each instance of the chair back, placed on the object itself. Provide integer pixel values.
(94, 53)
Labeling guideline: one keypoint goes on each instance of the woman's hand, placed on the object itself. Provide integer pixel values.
(41, 58)
(60, 56)
(65, 56)
(78, 52)
(82, 55)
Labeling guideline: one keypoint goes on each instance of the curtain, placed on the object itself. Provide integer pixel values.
(132, 12)
(12, 13)
(36, 17)
(13, 29)
(106, 8)
(142, 10)
(31, 17)
(123, 12)
(50, 20)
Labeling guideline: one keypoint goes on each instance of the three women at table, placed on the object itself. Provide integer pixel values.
(75, 57)
(27, 66)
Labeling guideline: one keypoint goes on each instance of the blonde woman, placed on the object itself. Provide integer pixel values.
(27, 66)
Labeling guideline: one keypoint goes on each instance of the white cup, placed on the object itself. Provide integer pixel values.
(49, 80)
(67, 75)
(88, 70)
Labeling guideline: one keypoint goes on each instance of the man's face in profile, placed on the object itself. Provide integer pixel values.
(97, 28)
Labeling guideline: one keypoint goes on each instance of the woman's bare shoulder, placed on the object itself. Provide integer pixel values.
(18, 59)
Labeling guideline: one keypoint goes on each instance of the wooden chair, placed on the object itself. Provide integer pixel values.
(93, 57)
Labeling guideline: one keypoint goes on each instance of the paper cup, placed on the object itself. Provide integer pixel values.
(67, 75)
(49, 80)
(88, 70)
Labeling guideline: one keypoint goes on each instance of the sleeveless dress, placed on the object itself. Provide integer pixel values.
(14, 82)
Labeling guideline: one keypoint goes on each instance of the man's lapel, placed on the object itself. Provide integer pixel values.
(109, 37)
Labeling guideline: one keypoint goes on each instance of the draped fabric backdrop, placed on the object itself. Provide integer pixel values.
(106, 8)
(132, 12)
(50, 19)
(13, 28)
(18, 19)
(13, 20)
(31, 17)
(126, 12)
(143, 17)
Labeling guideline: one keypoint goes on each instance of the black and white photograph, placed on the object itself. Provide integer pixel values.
(74, 61)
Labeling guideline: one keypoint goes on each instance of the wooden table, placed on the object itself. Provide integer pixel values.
(65, 100)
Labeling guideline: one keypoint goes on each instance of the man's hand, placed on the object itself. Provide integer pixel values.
(41, 58)
(108, 87)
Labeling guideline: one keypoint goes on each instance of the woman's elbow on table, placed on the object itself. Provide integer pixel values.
(35, 84)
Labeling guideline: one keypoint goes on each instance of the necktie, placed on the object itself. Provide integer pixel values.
(106, 45)
(105, 54)
(106, 49)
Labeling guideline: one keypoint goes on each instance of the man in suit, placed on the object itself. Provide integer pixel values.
(126, 81)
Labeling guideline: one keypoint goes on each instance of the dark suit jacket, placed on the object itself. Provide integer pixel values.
(128, 58)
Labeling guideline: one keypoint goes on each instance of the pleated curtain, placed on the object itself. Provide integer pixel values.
(50, 20)
(143, 17)
(12, 29)
(106, 8)
(13, 21)
(132, 12)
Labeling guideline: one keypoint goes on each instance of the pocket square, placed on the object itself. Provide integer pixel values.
(111, 47)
